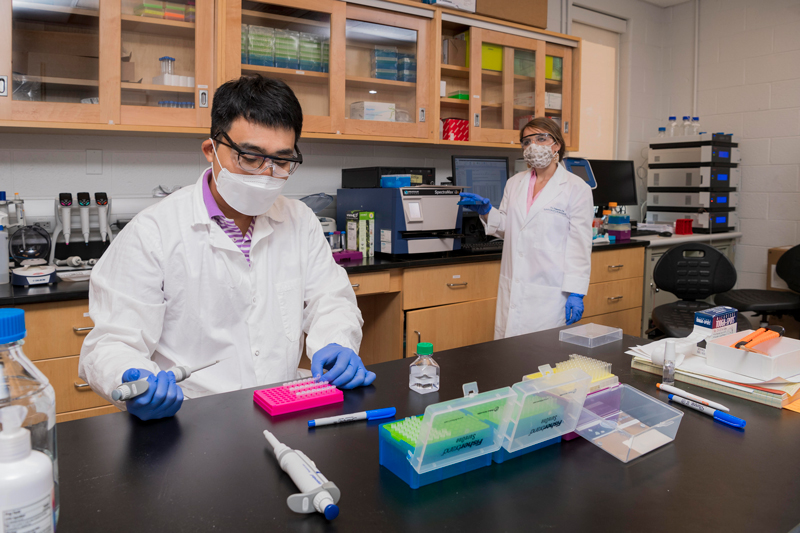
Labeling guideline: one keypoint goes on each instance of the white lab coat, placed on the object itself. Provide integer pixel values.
(546, 254)
(173, 289)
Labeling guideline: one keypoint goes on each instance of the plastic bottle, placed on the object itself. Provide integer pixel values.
(687, 126)
(672, 127)
(668, 377)
(4, 273)
(695, 125)
(423, 375)
(23, 384)
(662, 132)
(26, 477)
(613, 209)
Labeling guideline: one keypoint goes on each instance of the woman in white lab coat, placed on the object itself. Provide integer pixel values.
(545, 218)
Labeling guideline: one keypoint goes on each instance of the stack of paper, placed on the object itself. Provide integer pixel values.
(779, 392)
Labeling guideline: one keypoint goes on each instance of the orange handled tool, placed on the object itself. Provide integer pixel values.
(743, 341)
(757, 337)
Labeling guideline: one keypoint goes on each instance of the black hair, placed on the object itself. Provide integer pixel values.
(264, 101)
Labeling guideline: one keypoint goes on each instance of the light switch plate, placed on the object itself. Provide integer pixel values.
(3, 85)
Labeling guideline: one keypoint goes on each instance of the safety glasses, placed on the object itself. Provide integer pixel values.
(538, 138)
(254, 163)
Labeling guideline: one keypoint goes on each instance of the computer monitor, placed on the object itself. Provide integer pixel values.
(485, 176)
(616, 182)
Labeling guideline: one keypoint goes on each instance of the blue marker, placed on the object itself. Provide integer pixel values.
(375, 414)
(721, 416)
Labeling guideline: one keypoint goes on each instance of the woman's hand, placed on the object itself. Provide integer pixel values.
(476, 203)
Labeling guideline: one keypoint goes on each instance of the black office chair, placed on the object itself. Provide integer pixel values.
(770, 303)
(692, 272)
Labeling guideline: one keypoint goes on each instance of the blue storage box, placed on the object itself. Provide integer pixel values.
(396, 181)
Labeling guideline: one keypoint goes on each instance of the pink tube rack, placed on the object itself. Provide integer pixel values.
(297, 396)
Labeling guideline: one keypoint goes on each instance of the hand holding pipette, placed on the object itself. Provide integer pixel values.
(130, 390)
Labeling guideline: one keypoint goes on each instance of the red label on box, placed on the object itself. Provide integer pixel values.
(455, 129)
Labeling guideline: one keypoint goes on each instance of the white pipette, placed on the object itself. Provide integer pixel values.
(317, 493)
(132, 389)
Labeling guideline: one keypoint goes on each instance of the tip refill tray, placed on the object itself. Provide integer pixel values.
(297, 396)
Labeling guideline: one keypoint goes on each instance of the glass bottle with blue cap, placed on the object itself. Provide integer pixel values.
(23, 384)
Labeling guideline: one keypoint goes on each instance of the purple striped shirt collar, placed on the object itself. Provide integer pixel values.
(227, 225)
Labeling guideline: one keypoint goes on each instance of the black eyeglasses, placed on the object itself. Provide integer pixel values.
(254, 163)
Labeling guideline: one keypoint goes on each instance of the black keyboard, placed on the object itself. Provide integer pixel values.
(643, 233)
(483, 247)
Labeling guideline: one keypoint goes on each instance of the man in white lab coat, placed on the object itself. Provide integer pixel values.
(545, 219)
(226, 269)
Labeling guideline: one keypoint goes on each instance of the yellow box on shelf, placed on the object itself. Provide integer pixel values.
(491, 55)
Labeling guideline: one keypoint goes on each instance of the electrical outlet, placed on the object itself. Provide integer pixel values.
(45, 225)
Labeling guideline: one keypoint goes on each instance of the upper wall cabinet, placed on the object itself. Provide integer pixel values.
(498, 81)
(92, 62)
(353, 69)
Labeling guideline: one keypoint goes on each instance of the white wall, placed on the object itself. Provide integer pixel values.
(749, 84)
(40, 166)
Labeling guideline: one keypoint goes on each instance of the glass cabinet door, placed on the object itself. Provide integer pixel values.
(505, 82)
(291, 41)
(558, 88)
(166, 62)
(386, 66)
(55, 60)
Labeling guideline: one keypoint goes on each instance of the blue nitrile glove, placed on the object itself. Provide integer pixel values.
(475, 202)
(345, 369)
(162, 399)
(574, 308)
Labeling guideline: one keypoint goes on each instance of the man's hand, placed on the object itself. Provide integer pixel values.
(162, 399)
(345, 369)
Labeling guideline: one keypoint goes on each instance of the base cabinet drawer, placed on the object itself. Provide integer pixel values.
(370, 283)
(629, 320)
(451, 326)
(56, 329)
(72, 393)
(612, 265)
(431, 286)
(613, 296)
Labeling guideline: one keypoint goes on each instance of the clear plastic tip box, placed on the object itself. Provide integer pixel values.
(627, 423)
(465, 434)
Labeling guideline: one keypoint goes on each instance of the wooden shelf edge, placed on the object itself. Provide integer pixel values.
(288, 72)
(130, 86)
(56, 9)
(360, 82)
(157, 22)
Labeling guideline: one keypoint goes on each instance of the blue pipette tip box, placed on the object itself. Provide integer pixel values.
(394, 456)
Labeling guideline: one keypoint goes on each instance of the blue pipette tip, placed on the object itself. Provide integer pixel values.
(331, 512)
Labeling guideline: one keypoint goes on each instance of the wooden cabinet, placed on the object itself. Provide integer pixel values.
(508, 78)
(451, 326)
(614, 297)
(450, 305)
(55, 335)
(95, 65)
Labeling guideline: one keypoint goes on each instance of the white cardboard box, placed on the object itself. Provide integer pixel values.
(552, 100)
(783, 359)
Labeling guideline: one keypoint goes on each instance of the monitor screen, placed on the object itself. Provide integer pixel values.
(485, 176)
(616, 182)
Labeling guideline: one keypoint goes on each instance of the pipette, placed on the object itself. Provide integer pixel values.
(132, 389)
(317, 493)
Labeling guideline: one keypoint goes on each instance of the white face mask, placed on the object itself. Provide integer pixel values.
(249, 194)
(539, 156)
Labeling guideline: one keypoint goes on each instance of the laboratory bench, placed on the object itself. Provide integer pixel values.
(210, 467)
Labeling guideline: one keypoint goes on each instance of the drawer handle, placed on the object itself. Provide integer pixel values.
(614, 298)
(457, 284)
(355, 285)
(81, 386)
(615, 267)
(80, 330)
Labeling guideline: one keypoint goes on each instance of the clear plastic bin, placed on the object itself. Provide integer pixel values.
(590, 335)
(627, 423)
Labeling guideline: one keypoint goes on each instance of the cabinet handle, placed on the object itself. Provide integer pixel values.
(614, 298)
(79, 330)
(355, 285)
(81, 386)
(457, 284)
(614, 267)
